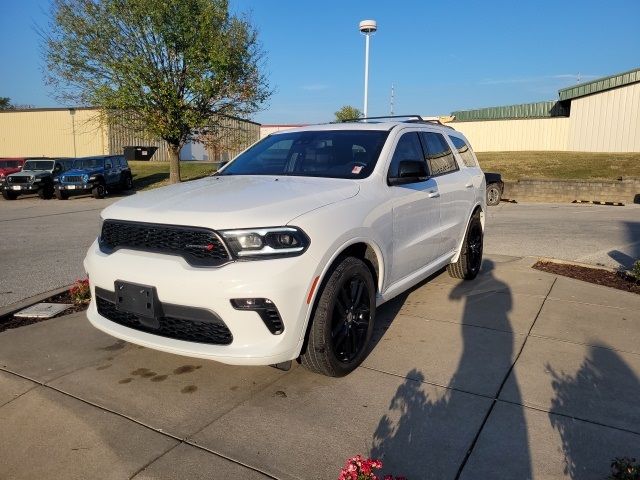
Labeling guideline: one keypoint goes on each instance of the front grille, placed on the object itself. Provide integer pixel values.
(21, 179)
(198, 246)
(210, 329)
(72, 178)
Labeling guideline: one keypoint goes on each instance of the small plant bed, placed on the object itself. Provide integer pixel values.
(618, 280)
(77, 296)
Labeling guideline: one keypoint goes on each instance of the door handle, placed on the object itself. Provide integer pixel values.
(469, 185)
(434, 194)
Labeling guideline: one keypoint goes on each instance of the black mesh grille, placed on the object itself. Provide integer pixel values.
(198, 246)
(213, 332)
(20, 179)
(73, 178)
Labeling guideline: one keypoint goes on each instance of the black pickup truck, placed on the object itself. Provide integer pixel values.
(495, 188)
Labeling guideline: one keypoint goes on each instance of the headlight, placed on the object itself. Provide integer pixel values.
(85, 178)
(266, 242)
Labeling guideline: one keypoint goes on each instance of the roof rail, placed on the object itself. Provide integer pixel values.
(409, 119)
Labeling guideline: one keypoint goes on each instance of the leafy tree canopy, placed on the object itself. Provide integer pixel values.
(174, 65)
(5, 103)
(347, 112)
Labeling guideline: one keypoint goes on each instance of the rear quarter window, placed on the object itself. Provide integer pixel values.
(464, 150)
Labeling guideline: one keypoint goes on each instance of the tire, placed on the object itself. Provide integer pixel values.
(9, 195)
(127, 183)
(470, 259)
(99, 191)
(61, 195)
(46, 192)
(493, 194)
(342, 322)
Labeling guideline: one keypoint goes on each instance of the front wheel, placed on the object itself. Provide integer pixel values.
(470, 259)
(342, 323)
(493, 195)
(46, 192)
(9, 195)
(98, 191)
(61, 195)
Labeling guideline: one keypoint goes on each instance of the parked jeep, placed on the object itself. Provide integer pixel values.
(38, 175)
(495, 188)
(97, 175)
(9, 166)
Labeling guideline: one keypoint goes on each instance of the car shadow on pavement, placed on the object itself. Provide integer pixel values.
(602, 381)
(626, 260)
(416, 425)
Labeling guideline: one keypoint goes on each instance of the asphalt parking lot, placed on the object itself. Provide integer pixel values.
(518, 374)
(43, 243)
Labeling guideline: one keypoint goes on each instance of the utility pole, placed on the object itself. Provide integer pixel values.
(367, 28)
(391, 103)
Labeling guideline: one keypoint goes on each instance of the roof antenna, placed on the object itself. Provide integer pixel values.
(392, 98)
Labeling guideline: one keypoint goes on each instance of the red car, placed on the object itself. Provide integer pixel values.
(9, 166)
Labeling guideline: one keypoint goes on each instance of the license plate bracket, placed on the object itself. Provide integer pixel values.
(141, 300)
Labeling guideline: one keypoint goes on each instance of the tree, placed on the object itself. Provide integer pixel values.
(165, 68)
(5, 103)
(347, 112)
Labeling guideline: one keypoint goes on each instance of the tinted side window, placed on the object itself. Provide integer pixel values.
(438, 154)
(408, 148)
(464, 150)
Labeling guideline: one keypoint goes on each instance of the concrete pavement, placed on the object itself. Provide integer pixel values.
(518, 374)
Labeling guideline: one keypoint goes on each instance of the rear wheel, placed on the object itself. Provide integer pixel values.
(342, 323)
(127, 182)
(493, 194)
(99, 191)
(61, 195)
(470, 259)
(9, 195)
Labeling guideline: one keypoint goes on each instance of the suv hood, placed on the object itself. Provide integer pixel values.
(83, 171)
(32, 173)
(224, 202)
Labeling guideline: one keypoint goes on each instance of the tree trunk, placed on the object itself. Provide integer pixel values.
(174, 163)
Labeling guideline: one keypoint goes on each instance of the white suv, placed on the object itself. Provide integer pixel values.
(287, 251)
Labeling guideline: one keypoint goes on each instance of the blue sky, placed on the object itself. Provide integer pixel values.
(441, 56)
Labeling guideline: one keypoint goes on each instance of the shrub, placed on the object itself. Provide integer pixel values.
(624, 468)
(80, 292)
(635, 270)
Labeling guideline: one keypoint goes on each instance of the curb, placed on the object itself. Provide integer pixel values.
(27, 302)
(577, 264)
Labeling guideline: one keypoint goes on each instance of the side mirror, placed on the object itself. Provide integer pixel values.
(107, 166)
(410, 171)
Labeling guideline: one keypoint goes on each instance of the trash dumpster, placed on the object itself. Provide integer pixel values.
(139, 153)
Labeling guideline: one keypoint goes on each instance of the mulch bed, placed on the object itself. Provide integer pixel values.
(619, 280)
(9, 322)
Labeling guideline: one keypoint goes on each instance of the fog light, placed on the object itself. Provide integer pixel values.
(250, 303)
(263, 307)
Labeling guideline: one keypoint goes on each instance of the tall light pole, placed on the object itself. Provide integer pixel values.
(367, 28)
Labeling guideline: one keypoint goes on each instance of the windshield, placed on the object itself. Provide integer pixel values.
(86, 163)
(9, 163)
(328, 153)
(38, 165)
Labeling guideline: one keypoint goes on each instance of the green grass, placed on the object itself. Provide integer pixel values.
(512, 165)
(148, 175)
(562, 165)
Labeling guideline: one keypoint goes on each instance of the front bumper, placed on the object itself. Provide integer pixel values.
(284, 281)
(23, 187)
(75, 187)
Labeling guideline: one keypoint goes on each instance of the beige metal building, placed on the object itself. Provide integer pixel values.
(78, 132)
(598, 116)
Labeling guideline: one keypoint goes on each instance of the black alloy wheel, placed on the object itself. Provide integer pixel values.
(342, 321)
(469, 261)
(350, 320)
